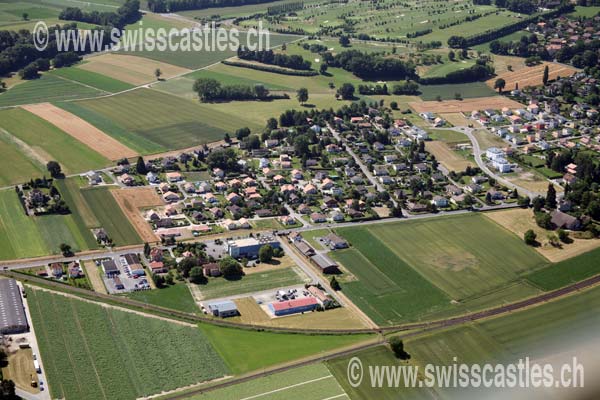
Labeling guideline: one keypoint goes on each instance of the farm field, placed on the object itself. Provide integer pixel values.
(44, 89)
(437, 260)
(131, 201)
(50, 142)
(447, 136)
(82, 131)
(250, 283)
(22, 236)
(532, 76)
(165, 121)
(450, 159)
(468, 91)
(339, 318)
(93, 79)
(520, 220)
(176, 297)
(110, 216)
(264, 349)
(468, 105)
(383, 285)
(379, 355)
(130, 139)
(313, 382)
(192, 60)
(95, 352)
(131, 69)
(230, 12)
(15, 166)
(568, 271)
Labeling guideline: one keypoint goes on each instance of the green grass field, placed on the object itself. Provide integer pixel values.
(256, 282)
(566, 272)
(110, 216)
(432, 261)
(264, 349)
(22, 236)
(130, 139)
(313, 382)
(94, 352)
(176, 297)
(16, 167)
(551, 328)
(93, 79)
(447, 67)
(46, 89)
(204, 57)
(53, 144)
(447, 92)
(164, 121)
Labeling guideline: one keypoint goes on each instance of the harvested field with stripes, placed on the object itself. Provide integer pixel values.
(131, 200)
(532, 76)
(82, 130)
(466, 105)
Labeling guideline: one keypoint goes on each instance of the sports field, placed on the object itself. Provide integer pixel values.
(250, 283)
(264, 349)
(313, 382)
(95, 352)
(52, 143)
(22, 236)
(110, 216)
(166, 121)
(47, 88)
(434, 261)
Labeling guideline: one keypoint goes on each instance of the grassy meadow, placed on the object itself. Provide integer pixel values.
(93, 79)
(176, 297)
(15, 166)
(434, 261)
(94, 352)
(50, 142)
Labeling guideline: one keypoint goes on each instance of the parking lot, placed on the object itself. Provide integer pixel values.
(124, 281)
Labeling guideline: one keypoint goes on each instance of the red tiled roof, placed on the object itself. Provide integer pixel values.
(286, 305)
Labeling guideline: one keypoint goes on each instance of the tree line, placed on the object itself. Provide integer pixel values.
(371, 66)
(128, 13)
(210, 90)
(293, 61)
(162, 6)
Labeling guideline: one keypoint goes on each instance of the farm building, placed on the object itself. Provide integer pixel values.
(12, 312)
(248, 247)
(223, 309)
(304, 248)
(325, 264)
(294, 306)
(335, 242)
(110, 268)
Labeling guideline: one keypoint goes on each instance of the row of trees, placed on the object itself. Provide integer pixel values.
(128, 13)
(478, 72)
(163, 6)
(371, 66)
(210, 90)
(404, 88)
(269, 57)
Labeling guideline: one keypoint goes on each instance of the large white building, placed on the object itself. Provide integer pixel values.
(249, 247)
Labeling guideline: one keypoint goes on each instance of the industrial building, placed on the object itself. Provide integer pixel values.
(110, 268)
(223, 309)
(12, 311)
(325, 264)
(288, 307)
(249, 247)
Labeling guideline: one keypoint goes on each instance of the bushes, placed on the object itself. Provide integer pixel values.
(477, 72)
(272, 69)
(209, 89)
(126, 14)
(371, 66)
(269, 57)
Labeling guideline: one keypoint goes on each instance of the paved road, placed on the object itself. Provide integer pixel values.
(477, 153)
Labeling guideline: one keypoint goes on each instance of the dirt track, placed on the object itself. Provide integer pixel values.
(81, 130)
(131, 200)
(467, 105)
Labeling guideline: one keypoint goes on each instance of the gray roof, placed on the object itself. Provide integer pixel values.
(222, 306)
(12, 312)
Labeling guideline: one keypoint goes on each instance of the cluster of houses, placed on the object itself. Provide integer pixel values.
(564, 32)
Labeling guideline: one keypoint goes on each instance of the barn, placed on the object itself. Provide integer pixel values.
(325, 264)
(294, 306)
(12, 311)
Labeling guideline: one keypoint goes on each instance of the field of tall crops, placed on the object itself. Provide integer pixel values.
(94, 352)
